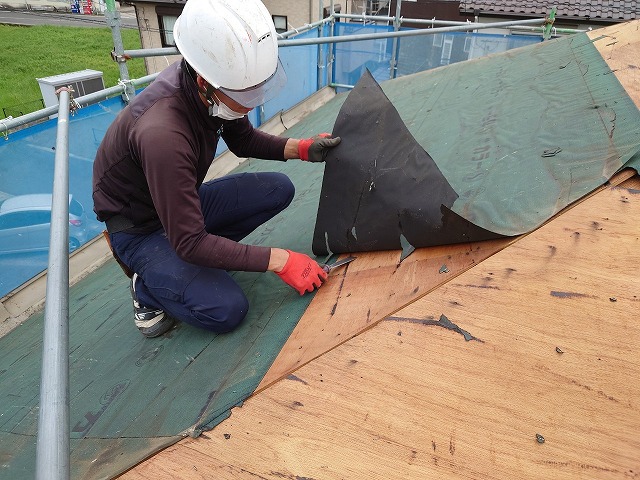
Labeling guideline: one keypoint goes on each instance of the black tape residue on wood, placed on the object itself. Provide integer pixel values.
(381, 189)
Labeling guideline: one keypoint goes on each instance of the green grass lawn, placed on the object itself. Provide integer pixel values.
(42, 51)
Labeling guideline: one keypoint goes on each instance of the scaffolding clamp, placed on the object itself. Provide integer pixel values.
(126, 85)
(548, 23)
(5, 133)
(73, 105)
(119, 57)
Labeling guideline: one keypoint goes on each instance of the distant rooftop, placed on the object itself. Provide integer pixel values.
(608, 10)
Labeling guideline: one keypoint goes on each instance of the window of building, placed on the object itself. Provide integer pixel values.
(281, 22)
(326, 11)
(166, 20)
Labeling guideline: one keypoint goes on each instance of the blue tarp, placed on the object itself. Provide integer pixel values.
(27, 156)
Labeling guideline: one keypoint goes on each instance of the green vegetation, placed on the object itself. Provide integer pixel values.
(41, 51)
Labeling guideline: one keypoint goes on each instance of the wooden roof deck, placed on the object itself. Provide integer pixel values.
(450, 364)
(554, 350)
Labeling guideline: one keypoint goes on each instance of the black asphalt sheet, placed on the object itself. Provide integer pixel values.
(381, 190)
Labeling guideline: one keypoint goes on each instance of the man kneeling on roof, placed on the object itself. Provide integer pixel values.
(177, 235)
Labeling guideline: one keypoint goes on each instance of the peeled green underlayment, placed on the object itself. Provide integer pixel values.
(515, 138)
(512, 140)
(131, 396)
(489, 123)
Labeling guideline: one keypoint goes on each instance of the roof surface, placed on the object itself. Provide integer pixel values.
(419, 396)
(526, 376)
(614, 10)
(126, 403)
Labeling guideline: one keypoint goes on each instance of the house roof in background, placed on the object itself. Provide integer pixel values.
(604, 10)
(610, 10)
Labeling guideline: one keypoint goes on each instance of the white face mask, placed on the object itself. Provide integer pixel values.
(221, 110)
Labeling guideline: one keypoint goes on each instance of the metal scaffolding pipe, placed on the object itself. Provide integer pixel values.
(6, 124)
(151, 52)
(393, 65)
(458, 27)
(330, 56)
(53, 444)
(554, 30)
(433, 22)
(113, 21)
(9, 123)
(405, 33)
(320, 66)
(309, 26)
(120, 88)
(341, 85)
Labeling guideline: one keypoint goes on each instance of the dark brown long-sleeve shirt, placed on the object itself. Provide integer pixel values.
(155, 156)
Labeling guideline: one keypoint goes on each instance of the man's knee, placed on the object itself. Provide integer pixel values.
(288, 187)
(228, 312)
(285, 188)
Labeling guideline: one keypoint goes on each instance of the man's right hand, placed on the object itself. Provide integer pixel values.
(302, 272)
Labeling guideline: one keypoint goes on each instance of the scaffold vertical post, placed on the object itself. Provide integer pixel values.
(113, 20)
(548, 23)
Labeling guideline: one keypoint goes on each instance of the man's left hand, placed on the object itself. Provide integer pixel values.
(315, 149)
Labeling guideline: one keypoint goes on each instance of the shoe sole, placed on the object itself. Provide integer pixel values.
(160, 328)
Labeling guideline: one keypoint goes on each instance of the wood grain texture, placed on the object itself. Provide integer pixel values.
(375, 286)
(410, 399)
(347, 305)
(554, 317)
(619, 46)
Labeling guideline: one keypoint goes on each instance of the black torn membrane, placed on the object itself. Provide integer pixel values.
(381, 190)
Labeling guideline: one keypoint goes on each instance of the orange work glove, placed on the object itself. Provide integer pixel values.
(315, 149)
(302, 273)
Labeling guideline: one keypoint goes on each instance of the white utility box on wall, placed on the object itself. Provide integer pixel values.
(83, 82)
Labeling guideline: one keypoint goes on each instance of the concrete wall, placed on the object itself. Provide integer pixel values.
(298, 12)
(150, 36)
(440, 9)
(302, 12)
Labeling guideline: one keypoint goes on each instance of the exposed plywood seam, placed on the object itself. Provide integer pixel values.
(619, 49)
(300, 349)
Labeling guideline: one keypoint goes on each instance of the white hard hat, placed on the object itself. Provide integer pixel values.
(233, 45)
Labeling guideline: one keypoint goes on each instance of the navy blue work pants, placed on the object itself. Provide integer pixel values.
(233, 206)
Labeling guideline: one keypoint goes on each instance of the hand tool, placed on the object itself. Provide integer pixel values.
(330, 266)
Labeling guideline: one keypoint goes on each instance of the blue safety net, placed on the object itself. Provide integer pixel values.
(27, 156)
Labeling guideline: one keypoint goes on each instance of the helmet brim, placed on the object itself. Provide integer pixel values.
(259, 94)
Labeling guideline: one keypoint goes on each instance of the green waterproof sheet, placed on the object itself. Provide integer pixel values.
(492, 126)
(132, 396)
(478, 150)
